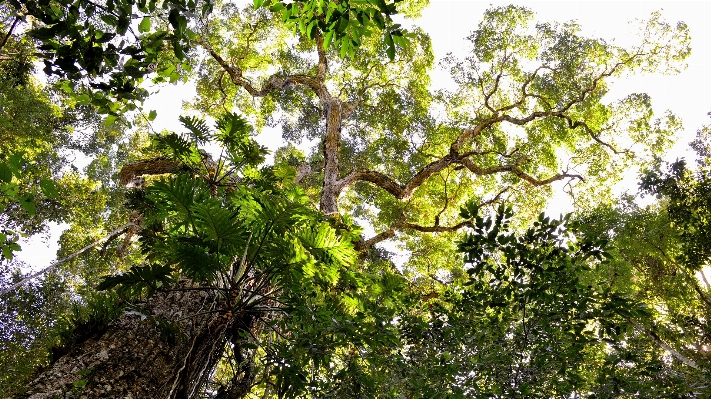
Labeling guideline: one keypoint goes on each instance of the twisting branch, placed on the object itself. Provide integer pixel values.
(402, 192)
(516, 169)
(388, 184)
(497, 117)
(111, 236)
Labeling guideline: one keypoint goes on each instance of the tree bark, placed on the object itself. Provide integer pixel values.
(331, 189)
(134, 357)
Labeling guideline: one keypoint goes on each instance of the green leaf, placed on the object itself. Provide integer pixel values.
(276, 7)
(145, 25)
(390, 51)
(5, 173)
(110, 119)
(48, 188)
(7, 252)
(327, 39)
(28, 204)
(80, 384)
(152, 115)
(83, 99)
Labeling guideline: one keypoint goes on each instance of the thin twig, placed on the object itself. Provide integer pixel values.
(51, 267)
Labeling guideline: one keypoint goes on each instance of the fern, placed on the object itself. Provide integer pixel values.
(137, 278)
(233, 128)
(173, 144)
(234, 136)
(198, 129)
(216, 222)
(321, 240)
(193, 260)
(179, 194)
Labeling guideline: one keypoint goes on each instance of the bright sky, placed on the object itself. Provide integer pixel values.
(449, 22)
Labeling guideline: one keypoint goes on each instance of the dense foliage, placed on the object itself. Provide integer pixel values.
(297, 295)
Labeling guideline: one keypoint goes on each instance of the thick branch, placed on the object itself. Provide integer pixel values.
(154, 166)
(331, 183)
(322, 61)
(388, 184)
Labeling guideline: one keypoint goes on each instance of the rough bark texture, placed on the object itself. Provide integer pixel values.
(155, 166)
(135, 358)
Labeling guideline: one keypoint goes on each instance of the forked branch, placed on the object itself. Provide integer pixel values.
(274, 82)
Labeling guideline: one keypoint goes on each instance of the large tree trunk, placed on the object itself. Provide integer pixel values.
(136, 356)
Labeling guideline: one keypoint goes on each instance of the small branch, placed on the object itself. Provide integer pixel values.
(9, 32)
(52, 266)
(274, 82)
(703, 277)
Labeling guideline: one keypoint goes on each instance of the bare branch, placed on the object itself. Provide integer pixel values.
(115, 233)
(9, 32)
(516, 169)
(402, 192)
(363, 245)
(651, 334)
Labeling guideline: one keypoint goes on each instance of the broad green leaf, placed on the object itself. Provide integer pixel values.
(5, 173)
(49, 188)
(145, 25)
(110, 119)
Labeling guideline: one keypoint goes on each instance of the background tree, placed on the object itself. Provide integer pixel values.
(42, 131)
(661, 259)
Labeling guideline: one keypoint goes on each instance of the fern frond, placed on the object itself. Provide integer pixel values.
(321, 240)
(218, 223)
(173, 144)
(179, 193)
(193, 260)
(198, 129)
(233, 128)
(137, 278)
(234, 136)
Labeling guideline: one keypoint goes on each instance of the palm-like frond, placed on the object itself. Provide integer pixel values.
(177, 196)
(173, 144)
(216, 222)
(197, 129)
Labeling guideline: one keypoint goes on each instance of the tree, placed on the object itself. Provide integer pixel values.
(659, 256)
(245, 288)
